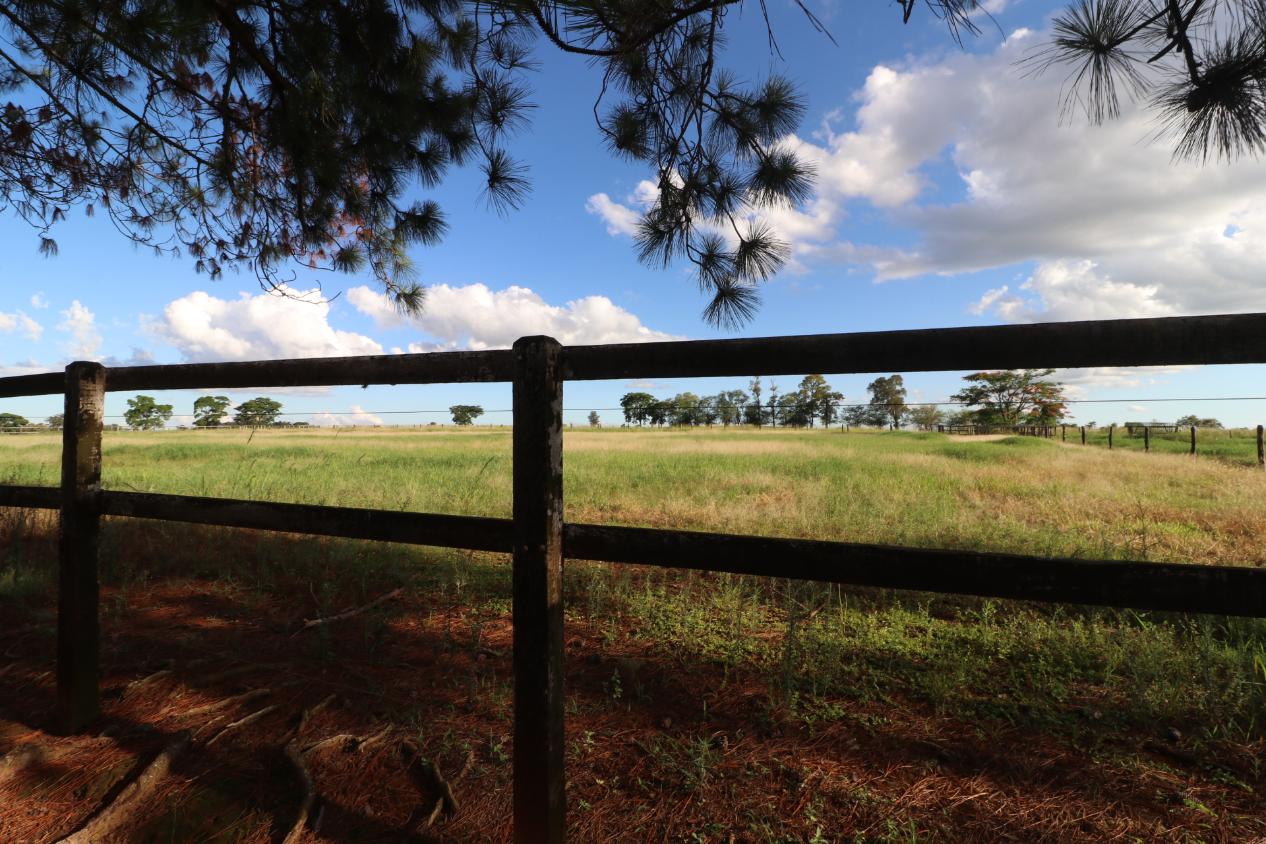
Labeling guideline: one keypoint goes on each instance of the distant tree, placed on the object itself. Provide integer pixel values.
(888, 398)
(260, 412)
(796, 409)
(685, 410)
(817, 398)
(1198, 422)
(637, 407)
(754, 415)
(465, 414)
(594, 421)
(709, 413)
(831, 408)
(144, 414)
(1013, 397)
(730, 406)
(773, 403)
(209, 411)
(659, 412)
(926, 416)
(12, 420)
(57, 421)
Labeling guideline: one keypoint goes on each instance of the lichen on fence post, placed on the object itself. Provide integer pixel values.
(539, 806)
(78, 635)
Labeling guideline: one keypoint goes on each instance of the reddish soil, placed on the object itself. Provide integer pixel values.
(680, 752)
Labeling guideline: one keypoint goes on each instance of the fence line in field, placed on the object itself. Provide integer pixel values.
(537, 537)
(1048, 431)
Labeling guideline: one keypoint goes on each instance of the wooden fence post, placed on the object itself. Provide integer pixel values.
(1063, 433)
(78, 634)
(1147, 438)
(1193, 439)
(539, 782)
(1261, 452)
(1110, 429)
(1083, 434)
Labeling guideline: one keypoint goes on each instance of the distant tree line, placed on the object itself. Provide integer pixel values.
(1009, 397)
(145, 414)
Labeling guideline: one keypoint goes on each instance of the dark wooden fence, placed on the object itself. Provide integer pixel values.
(538, 538)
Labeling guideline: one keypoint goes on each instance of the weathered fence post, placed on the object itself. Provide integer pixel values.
(1193, 439)
(539, 807)
(78, 635)
(1063, 433)
(1147, 438)
(1083, 434)
(1110, 430)
(1261, 452)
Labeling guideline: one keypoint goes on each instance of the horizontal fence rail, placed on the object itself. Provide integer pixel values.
(1174, 587)
(1236, 338)
(539, 540)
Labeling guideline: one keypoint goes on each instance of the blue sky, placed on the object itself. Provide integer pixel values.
(949, 193)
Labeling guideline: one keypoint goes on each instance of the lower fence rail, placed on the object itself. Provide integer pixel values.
(1126, 584)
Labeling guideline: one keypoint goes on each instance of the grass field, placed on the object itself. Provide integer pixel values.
(700, 707)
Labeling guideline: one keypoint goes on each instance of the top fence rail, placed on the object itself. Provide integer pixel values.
(1225, 339)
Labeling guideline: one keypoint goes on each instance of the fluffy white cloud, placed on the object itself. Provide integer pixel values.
(1117, 227)
(477, 317)
(1079, 381)
(256, 327)
(81, 325)
(620, 219)
(1072, 290)
(38, 301)
(19, 322)
(355, 415)
(1114, 226)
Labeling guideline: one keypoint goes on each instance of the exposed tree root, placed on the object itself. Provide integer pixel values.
(246, 697)
(136, 685)
(317, 622)
(241, 722)
(306, 716)
(427, 777)
(350, 742)
(309, 792)
(229, 673)
(118, 813)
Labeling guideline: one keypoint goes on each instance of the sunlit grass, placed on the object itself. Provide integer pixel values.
(1068, 670)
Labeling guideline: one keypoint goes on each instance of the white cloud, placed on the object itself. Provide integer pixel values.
(1081, 379)
(1072, 290)
(256, 327)
(355, 415)
(25, 367)
(81, 325)
(1113, 225)
(620, 219)
(38, 301)
(1116, 227)
(20, 322)
(477, 317)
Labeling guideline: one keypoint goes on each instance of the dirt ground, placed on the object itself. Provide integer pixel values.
(391, 707)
